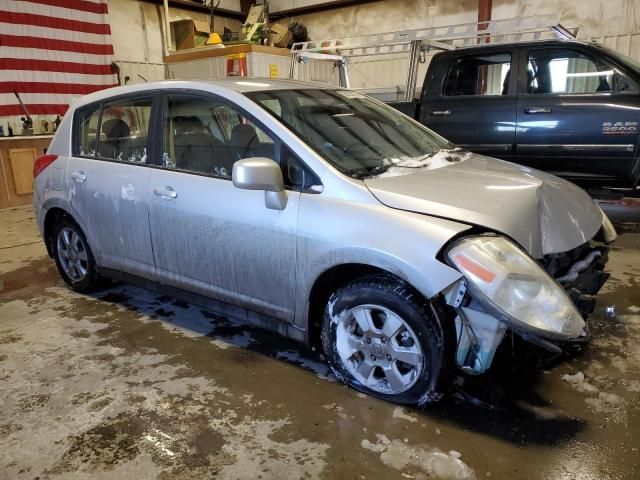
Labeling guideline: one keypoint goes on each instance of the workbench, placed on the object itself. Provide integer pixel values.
(247, 60)
(17, 156)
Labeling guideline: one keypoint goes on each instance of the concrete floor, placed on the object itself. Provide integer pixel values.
(130, 384)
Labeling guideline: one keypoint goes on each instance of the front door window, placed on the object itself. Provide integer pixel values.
(207, 136)
(562, 71)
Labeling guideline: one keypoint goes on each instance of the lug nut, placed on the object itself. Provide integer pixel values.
(373, 357)
(389, 357)
(383, 340)
(367, 340)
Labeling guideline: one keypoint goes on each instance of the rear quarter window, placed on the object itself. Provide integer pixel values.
(85, 126)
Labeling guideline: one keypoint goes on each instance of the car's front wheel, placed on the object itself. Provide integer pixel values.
(381, 337)
(74, 258)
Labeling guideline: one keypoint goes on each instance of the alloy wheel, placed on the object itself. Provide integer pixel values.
(72, 253)
(379, 349)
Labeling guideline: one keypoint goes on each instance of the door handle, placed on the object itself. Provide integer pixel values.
(537, 110)
(167, 193)
(78, 177)
(440, 113)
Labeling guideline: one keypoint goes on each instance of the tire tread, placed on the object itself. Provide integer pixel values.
(390, 285)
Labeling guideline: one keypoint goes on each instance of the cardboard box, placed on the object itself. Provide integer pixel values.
(189, 33)
(279, 35)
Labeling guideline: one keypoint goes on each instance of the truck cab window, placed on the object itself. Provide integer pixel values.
(567, 72)
(479, 75)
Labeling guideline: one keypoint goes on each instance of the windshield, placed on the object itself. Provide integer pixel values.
(359, 136)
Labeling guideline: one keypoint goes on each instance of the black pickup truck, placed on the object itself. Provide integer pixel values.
(568, 107)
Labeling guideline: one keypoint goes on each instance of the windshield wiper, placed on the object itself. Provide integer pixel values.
(364, 172)
(359, 173)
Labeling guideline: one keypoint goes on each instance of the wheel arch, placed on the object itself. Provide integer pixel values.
(335, 277)
(52, 217)
(325, 284)
(325, 273)
(53, 212)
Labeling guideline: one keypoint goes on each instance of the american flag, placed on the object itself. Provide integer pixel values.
(52, 51)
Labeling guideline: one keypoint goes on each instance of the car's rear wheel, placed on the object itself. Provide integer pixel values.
(73, 257)
(381, 337)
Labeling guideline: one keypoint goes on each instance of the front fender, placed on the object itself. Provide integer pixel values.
(333, 232)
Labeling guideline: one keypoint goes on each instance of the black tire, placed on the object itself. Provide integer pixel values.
(401, 299)
(89, 282)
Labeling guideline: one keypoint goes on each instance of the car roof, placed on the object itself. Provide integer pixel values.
(253, 84)
(236, 84)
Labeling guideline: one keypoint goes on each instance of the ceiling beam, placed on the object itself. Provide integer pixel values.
(199, 7)
(319, 7)
(245, 5)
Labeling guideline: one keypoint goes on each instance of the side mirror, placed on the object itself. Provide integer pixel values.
(260, 173)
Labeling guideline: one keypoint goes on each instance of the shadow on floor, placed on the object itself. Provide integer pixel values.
(502, 404)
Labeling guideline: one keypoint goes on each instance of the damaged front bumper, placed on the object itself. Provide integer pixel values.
(480, 331)
(581, 273)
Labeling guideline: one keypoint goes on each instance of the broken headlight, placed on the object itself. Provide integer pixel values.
(511, 282)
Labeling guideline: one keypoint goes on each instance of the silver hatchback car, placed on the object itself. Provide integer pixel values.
(326, 216)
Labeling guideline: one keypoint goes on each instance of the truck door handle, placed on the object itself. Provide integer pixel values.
(167, 193)
(440, 113)
(78, 177)
(537, 110)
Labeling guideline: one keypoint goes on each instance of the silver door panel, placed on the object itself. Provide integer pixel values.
(111, 199)
(217, 240)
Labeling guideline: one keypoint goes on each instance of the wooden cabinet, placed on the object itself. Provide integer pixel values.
(17, 156)
(21, 161)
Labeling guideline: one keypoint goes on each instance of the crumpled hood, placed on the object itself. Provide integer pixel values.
(543, 213)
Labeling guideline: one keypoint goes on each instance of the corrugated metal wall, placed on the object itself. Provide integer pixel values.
(322, 72)
(628, 44)
(138, 72)
(204, 69)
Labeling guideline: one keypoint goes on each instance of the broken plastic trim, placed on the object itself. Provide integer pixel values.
(478, 337)
(578, 267)
(478, 334)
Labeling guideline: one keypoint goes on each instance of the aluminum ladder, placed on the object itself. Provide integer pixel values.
(420, 41)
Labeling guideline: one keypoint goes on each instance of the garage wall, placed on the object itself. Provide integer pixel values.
(614, 22)
(138, 35)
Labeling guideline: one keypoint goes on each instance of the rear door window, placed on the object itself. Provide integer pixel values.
(481, 75)
(116, 130)
(124, 127)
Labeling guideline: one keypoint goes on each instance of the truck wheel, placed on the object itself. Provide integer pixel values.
(382, 338)
(73, 257)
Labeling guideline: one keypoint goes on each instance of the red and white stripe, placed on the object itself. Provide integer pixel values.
(51, 52)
